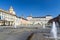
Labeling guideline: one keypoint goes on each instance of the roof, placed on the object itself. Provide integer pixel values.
(38, 17)
(18, 17)
(25, 19)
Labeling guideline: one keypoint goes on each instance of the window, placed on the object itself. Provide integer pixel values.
(0, 17)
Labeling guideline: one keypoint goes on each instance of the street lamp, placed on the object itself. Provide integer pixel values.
(15, 23)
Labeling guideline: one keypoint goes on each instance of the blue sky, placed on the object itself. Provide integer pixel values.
(34, 7)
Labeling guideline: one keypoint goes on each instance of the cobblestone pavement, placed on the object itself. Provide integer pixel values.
(14, 34)
(23, 34)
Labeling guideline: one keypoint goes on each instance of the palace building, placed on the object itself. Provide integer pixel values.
(39, 20)
(9, 18)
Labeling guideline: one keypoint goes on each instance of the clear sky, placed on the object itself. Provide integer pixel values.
(34, 7)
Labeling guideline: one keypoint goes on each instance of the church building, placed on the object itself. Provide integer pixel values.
(8, 17)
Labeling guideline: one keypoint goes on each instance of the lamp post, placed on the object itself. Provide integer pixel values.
(15, 23)
(44, 23)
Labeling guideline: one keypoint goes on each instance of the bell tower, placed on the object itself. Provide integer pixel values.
(11, 10)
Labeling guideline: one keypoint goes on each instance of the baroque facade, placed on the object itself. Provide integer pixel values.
(9, 18)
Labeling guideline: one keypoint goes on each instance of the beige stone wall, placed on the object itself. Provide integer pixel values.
(25, 22)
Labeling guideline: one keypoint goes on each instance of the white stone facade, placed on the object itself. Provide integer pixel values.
(39, 20)
(9, 18)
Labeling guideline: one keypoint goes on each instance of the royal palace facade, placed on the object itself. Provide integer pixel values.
(9, 18)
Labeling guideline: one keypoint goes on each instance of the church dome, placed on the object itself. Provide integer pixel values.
(11, 10)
